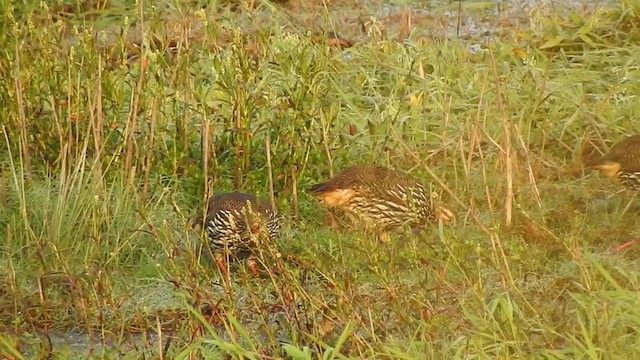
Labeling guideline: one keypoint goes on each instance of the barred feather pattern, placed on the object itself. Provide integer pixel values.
(381, 197)
(226, 222)
(631, 180)
(622, 161)
(391, 208)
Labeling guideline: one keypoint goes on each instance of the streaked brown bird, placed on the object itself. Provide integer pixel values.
(234, 222)
(384, 199)
(621, 162)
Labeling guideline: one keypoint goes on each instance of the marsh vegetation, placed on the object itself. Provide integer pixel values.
(120, 118)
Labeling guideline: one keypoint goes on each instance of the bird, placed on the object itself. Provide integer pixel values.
(234, 223)
(621, 162)
(382, 198)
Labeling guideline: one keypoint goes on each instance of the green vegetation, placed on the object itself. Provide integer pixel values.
(118, 120)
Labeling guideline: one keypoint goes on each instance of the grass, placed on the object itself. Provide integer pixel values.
(119, 119)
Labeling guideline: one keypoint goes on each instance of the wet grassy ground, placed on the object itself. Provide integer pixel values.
(495, 104)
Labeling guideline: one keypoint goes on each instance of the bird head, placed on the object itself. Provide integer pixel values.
(608, 168)
(444, 214)
(439, 213)
(196, 222)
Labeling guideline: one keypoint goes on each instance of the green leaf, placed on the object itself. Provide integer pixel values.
(296, 353)
(553, 42)
(343, 338)
(242, 331)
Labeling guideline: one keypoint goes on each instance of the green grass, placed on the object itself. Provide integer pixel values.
(116, 126)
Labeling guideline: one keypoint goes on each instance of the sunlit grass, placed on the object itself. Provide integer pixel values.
(110, 146)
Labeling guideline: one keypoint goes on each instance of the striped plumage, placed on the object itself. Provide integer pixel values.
(621, 162)
(231, 228)
(384, 199)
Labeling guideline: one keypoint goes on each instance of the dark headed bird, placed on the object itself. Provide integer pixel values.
(384, 199)
(621, 162)
(234, 223)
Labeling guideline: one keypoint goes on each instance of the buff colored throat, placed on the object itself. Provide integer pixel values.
(339, 197)
(609, 169)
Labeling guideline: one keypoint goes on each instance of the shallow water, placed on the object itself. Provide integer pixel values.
(478, 19)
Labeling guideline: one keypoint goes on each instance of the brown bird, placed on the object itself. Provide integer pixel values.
(234, 222)
(384, 199)
(621, 162)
